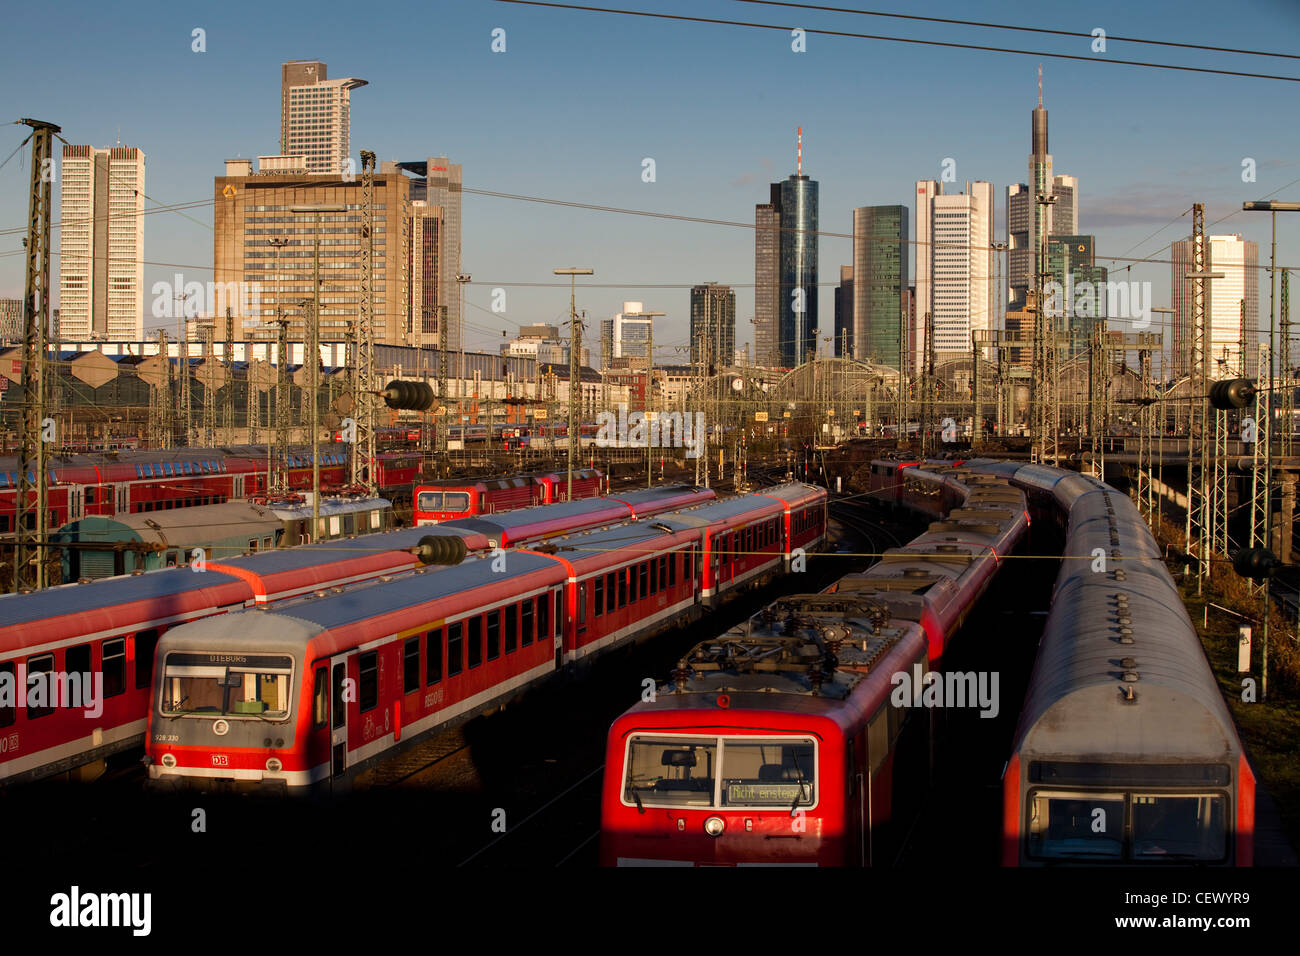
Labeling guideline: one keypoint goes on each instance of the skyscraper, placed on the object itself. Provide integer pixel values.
(954, 267)
(713, 324)
(438, 182)
(844, 314)
(101, 243)
(628, 335)
(1071, 263)
(1026, 219)
(785, 270)
(767, 279)
(1237, 259)
(880, 279)
(315, 116)
(424, 269)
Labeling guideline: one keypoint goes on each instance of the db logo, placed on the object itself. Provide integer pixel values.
(220, 760)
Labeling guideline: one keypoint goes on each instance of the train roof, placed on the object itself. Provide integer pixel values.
(180, 526)
(630, 538)
(643, 497)
(371, 599)
(159, 594)
(328, 506)
(792, 492)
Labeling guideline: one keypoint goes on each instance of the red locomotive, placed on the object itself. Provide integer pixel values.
(465, 498)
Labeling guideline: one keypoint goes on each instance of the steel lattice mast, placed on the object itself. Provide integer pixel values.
(363, 456)
(31, 530)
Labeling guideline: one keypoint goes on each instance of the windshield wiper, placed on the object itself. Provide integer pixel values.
(176, 707)
(794, 807)
(640, 807)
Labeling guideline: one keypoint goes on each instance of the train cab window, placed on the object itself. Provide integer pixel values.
(457, 501)
(8, 702)
(1178, 827)
(113, 664)
(475, 639)
(598, 588)
(455, 649)
(320, 699)
(433, 657)
(411, 665)
(512, 628)
(1061, 826)
(368, 687)
(44, 664)
(526, 622)
(493, 635)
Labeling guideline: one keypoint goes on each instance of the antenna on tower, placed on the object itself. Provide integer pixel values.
(1040, 86)
(798, 154)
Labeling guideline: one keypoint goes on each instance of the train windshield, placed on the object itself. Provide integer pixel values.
(1127, 827)
(204, 685)
(776, 773)
(456, 501)
(429, 501)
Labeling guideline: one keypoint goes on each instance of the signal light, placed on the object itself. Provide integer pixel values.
(415, 396)
(440, 549)
(1232, 393)
(1255, 563)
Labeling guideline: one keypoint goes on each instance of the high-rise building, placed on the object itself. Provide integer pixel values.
(1237, 259)
(785, 270)
(437, 182)
(844, 314)
(626, 337)
(11, 321)
(315, 116)
(424, 269)
(101, 243)
(1026, 218)
(259, 241)
(1082, 283)
(544, 344)
(767, 279)
(713, 323)
(880, 279)
(954, 268)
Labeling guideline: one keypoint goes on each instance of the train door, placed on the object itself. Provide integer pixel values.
(121, 498)
(238, 486)
(557, 623)
(338, 717)
(76, 502)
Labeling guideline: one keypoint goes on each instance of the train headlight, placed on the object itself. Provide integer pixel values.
(274, 765)
(714, 826)
(168, 761)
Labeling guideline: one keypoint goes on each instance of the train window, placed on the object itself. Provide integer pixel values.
(558, 619)
(670, 772)
(39, 665)
(266, 543)
(598, 588)
(455, 648)
(8, 702)
(512, 627)
(493, 635)
(339, 681)
(1063, 825)
(433, 657)
(334, 526)
(643, 580)
(368, 688)
(76, 660)
(411, 665)
(766, 773)
(526, 620)
(475, 640)
(113, 663)
(458, 501)
(320, 699)
(623, 575)
(543, 617)
(582, 606)
(252, 544)
(1178, 827)
(349, 524)
(611, 591)
(672, 569)
(654, 575)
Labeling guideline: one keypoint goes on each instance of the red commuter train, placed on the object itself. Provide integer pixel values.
(465, 498)
(825, 758)
(111, 626)
(260, 697)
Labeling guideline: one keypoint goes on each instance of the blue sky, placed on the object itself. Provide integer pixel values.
(579, 99)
